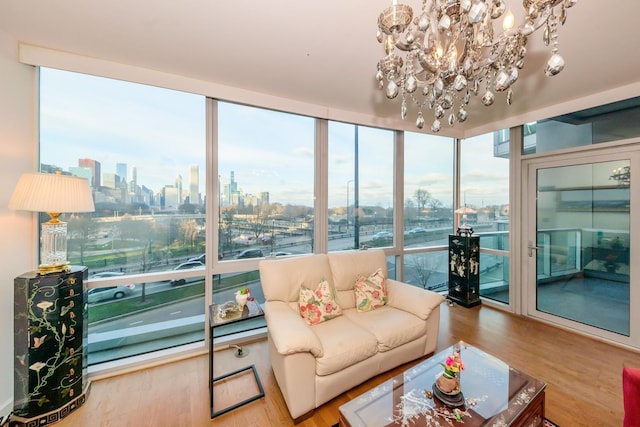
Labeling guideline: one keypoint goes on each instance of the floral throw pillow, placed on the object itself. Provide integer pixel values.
(371, 292)
(319, 305)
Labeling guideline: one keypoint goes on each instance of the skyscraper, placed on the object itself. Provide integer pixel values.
(170, 198)
(263, 198)
(133, 185)
(234, 197)
(81, 172)
(194, 185)
(111, 180)
(233, 185)
(121, 171)
(95, 171)
(179, 188)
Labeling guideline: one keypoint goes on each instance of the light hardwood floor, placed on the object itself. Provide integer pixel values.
(584, 378)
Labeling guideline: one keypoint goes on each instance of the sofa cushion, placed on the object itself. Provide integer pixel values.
(392, 327)
(319, 305)
(344, 343)
(371, 292)
(346, 266)
(281, 277)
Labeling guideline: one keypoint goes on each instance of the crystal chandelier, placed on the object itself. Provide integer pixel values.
(622, 175)
(450, 51)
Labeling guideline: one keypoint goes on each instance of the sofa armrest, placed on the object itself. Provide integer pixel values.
(288, 330)
(412, 299)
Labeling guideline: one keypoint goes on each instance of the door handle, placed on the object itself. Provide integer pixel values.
(531, 248)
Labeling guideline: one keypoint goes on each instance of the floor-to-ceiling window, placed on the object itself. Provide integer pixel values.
(360, 178)
(142, 149)
(428, 209)
(145, 149)
(361, 183)
(265, 166)
(484, 205)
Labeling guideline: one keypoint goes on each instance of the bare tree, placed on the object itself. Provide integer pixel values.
(189, 231)
(409, 210)
(258, 221)
(423, 269)
(226, 227)
(434, 204)
(422, 196)
(143, 231)
(81, 227)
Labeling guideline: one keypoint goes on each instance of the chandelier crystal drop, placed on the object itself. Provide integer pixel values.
(450, 51)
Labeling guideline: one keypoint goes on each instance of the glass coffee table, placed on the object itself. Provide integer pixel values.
(225, 314)
(495, 394)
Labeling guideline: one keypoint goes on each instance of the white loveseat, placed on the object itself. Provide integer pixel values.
(313, 364)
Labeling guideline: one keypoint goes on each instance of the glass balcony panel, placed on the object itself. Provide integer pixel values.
(427, 270)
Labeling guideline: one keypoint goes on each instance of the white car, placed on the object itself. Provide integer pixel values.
(418, 230)
(186, 266)
(383, 235)
(111, 292)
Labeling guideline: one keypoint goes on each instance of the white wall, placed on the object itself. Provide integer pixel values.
(17, 155)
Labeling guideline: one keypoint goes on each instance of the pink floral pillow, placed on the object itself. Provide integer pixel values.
(319, 305)
(371, 292)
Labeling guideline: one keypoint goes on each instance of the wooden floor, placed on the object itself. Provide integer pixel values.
(584, 379)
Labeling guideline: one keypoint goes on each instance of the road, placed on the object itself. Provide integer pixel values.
(434, 263)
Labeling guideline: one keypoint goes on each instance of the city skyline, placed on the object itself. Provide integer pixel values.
(162, 132)
(123, 172)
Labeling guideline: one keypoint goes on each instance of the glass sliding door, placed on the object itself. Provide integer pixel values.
(579, 245)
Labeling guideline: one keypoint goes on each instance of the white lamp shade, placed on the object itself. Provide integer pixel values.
(48, 192)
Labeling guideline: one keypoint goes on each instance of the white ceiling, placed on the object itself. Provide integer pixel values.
(324, 53)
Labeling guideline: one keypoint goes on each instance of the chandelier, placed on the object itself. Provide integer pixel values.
(450, 51)
(622, 175)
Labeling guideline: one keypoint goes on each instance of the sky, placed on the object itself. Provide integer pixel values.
(159, 131)
(162, 132)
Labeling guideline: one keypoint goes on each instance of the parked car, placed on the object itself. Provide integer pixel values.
(266, 240)
(418, 230)
(282, 253)
(104, 274)
(112, 292)
(244, 240)
(250, 253)
(187, 266)
(200, 258)
(383, 235)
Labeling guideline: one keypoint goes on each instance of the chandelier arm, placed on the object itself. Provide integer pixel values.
(404, 46)
(542, 19)
(500, 44)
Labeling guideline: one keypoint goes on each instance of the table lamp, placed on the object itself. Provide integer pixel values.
(53, 194)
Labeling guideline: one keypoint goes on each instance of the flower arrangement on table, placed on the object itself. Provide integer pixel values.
(242, 296)
(448, 382)
(453, 365)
